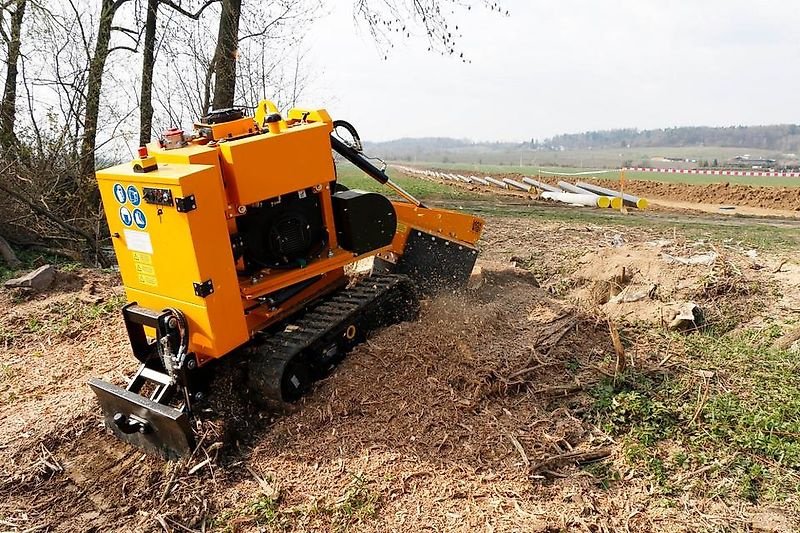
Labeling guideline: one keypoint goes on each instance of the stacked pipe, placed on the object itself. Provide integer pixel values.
(599, 201)
(627, 199)
(580, 193)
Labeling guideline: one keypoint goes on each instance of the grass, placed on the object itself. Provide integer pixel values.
(353, 178)
(759, 234)
(727, 425)
(60, 321)
(358, 504)
(32, 259)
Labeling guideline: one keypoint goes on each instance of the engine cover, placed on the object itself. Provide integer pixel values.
(284, 233)
(365, 221)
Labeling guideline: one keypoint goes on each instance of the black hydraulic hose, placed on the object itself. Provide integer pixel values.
(358, 159)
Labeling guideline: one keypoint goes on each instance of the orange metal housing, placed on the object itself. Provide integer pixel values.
(165, 254)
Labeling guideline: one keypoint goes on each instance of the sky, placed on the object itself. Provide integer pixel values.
(565, 66)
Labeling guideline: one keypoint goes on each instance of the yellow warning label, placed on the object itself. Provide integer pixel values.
(401, 228)
(145, 259)
(148, 280)
(145, 269)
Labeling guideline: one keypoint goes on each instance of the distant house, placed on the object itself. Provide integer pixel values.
(747, 161)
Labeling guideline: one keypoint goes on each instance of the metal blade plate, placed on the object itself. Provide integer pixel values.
(169, 433)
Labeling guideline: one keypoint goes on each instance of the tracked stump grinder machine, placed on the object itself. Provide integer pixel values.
(235, 241)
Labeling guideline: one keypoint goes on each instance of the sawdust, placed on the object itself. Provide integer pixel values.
(471, 418)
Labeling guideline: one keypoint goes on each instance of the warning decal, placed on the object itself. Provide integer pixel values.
(125, 215)
(133, 195)
(139, 218)
(119, 193)
(145, 271)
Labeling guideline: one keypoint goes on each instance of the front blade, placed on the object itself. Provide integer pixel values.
(436, 264)
(167, 430)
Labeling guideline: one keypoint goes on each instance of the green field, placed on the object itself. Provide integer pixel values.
(694, 179)
(505, 155)
(353, 178)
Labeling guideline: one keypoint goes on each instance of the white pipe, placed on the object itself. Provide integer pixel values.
(628, 199)
(480, 180)
(602, 201)
(572, 198)
(541, 186)
(517, 185)
(568, 187)
(496, 182)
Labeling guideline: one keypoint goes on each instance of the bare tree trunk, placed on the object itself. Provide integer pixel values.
(148, 64)
(7, 253)
(225, 54)
(8, 106)
(94, 85)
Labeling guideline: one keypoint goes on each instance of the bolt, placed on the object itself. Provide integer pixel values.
(191, 364)
(199, 396)
(242, 209)
(172, 323)
(330, 253)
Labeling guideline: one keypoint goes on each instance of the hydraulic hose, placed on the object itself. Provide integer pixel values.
(356, 156)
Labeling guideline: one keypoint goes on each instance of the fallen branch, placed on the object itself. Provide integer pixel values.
(559, 389)
(574, 457)
(524, 371)
(520, 450)
(88, 237)
(780, 266)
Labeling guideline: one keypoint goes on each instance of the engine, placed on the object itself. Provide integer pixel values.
(284, 232)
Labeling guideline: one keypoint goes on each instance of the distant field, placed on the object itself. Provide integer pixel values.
(694, 179)
(598, 158)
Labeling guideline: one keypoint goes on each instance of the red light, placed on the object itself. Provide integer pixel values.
(143, 151)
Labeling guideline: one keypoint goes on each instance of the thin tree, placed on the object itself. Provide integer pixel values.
(149, 61)
(97, 64)
(224, 62)
(8, 106)
(148, 64)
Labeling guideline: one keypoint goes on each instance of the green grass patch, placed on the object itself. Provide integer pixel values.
(759, 234)
(728, 422)
(358, 504)
(59, 321)
(353, 178)
(32, 259)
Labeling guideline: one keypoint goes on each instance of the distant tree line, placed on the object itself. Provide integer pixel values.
(783, 137)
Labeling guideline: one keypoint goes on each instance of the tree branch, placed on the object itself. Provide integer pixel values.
(128, 48)
(182, 11)
(88, 237)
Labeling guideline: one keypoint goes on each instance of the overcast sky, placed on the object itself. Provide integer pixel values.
(567, 66)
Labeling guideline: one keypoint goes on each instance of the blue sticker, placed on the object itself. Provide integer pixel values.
(133, 195)
(139, 218)
(119, 193)
(125, 215)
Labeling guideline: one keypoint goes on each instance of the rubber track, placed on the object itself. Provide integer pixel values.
(373, 302)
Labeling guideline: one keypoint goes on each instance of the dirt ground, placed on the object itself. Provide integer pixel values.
(476, 417)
